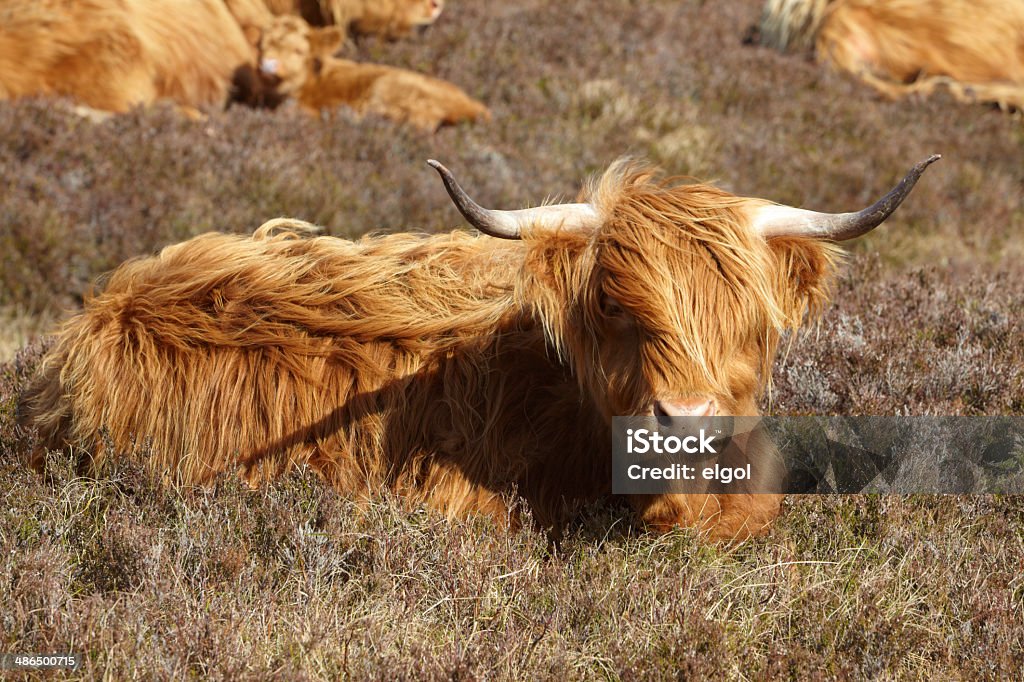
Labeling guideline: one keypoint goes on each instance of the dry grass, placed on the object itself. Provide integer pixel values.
(293, 581)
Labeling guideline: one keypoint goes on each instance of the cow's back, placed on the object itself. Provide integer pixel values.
(228, 352)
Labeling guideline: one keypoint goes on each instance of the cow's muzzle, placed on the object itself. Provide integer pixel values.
(684, 407)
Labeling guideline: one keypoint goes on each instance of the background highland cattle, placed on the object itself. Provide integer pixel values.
(111, 55)
(972, 48)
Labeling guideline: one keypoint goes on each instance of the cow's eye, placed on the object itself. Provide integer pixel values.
(611, 308)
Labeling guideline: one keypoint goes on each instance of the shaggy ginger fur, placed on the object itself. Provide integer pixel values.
(404, 96)
(974, 48)
(114, 54)
(451, 368)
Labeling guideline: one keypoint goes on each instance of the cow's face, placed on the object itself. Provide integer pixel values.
(288, 46)
(684, 303)
(669, 300)
(396, 19)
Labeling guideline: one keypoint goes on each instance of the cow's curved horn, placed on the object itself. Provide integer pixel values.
(786, 221)
(510, 224)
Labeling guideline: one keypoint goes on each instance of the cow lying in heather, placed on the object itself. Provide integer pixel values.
(971, 48)
(112, 55)
(454, 369)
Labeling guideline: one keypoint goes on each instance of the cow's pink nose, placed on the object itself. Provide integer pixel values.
(696, 407)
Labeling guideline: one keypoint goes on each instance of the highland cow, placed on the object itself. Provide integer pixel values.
(453, 369)
(973, 48)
